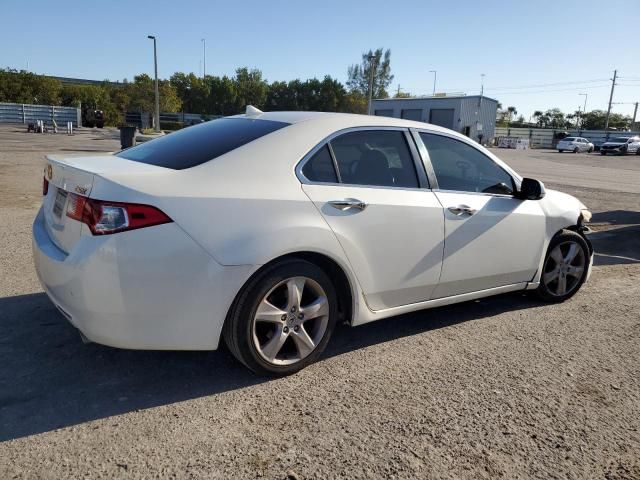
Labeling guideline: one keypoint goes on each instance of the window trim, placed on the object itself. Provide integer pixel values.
(418, 165)
(432, 174)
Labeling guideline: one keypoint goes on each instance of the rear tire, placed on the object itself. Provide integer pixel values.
(566, 266)
(283, 318)
(560, 151)
(602, 152)
(576, 150)
(590, 150)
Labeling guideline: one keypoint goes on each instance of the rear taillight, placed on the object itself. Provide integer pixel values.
(104, 217)
(45, 186)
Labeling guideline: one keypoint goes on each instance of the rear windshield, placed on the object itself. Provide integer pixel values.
(569, 139)
(198, 144)
(619, 139)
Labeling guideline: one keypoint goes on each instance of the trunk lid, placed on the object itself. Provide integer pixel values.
(69, 176)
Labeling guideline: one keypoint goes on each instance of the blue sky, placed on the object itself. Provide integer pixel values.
(535, 55)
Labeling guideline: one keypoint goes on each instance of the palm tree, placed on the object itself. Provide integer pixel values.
(537, 115)
(511, 111)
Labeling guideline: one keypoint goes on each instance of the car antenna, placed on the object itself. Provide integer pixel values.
(251, 110)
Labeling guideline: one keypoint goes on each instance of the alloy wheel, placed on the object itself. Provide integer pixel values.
(564, 268)
(290, 321)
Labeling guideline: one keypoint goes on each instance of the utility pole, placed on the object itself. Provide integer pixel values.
(635, 112)
(584, 109)
(398, 94)
(155, 66)
(435, 74)
(613, 85)
(371, 68)
(204, 58)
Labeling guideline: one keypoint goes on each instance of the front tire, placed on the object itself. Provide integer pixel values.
(565, 268)
(602, 152)
(576, 150)
(590, 150)
(283, 319)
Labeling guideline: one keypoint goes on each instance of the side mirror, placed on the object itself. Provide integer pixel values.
(531, 189)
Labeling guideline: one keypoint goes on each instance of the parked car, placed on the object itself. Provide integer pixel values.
(620, 145)
(575, 145)
(267, 229)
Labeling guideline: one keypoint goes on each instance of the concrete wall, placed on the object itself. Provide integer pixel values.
(543, 137)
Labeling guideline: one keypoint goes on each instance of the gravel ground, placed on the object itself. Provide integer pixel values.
(503, 387)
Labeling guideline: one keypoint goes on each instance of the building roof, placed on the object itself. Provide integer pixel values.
(452, 97)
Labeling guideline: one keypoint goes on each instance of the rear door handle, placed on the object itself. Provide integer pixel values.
(462, 210)
(348, 203)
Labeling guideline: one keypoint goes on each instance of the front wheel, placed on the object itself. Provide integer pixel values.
(560, 151)
(576, 150)
(590, 150)
(565, 267)
(283, 319)
(602, 152)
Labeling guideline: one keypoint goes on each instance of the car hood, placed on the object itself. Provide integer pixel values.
(613, 144)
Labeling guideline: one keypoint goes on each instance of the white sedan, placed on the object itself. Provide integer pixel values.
(575, 145)
(266, 229)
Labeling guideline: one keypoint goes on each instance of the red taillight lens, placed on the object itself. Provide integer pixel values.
(45, 186)
(104, 218)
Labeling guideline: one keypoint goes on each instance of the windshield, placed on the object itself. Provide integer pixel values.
(618, 139)
(199, 144)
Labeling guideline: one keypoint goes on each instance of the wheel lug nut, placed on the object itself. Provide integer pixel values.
(293, 309)
(296, 328)
(283, 317)
(301, 316)
(285, 329)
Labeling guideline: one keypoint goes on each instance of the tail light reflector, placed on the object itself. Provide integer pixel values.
(104, 217)
(45, 186)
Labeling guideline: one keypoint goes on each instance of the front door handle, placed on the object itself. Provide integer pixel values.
(462, 210)
(348, 203)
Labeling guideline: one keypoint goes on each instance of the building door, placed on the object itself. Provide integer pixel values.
(412, 114)
(442, 117)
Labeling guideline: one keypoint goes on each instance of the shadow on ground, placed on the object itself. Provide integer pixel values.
(617, 240)
(49, 379)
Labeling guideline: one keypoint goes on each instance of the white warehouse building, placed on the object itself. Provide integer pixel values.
(473, 115)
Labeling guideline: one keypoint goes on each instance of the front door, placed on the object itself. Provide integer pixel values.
(491, 238)
(390, 227)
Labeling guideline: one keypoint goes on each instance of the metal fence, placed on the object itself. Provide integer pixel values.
(144, 119)
(544, 137)
(25, 113)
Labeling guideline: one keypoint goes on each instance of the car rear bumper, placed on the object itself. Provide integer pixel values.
(152, 288)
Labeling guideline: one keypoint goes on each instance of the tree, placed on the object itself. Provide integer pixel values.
(251, 89)
(359, 75)
(511, 111)
(596, 119)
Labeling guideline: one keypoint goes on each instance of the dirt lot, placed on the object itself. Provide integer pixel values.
(504, 387)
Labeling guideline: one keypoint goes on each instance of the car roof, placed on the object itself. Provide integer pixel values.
(344, 119)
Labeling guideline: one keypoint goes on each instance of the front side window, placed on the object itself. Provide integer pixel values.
(375, 158)
(461, 167)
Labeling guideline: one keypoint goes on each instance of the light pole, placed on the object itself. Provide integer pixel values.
(584, 109)
(155, 66)
(204, 58)
(371, 68)
(435, 74)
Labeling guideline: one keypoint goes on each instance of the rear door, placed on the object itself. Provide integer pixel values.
(365, 184)
(491, 238)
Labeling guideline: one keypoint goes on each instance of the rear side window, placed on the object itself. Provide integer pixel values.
(320, 167)
(375, 158)
(198, 144)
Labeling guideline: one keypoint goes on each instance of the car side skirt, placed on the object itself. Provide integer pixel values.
(367, 315)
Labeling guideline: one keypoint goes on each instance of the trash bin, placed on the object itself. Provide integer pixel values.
(127, 136)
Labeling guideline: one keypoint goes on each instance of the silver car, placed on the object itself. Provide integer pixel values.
(621, 146)
(575, 145)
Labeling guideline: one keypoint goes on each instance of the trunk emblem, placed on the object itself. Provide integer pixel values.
(81, 190)
(49, 171)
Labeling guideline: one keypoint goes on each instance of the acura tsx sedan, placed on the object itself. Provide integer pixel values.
(264, 230)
